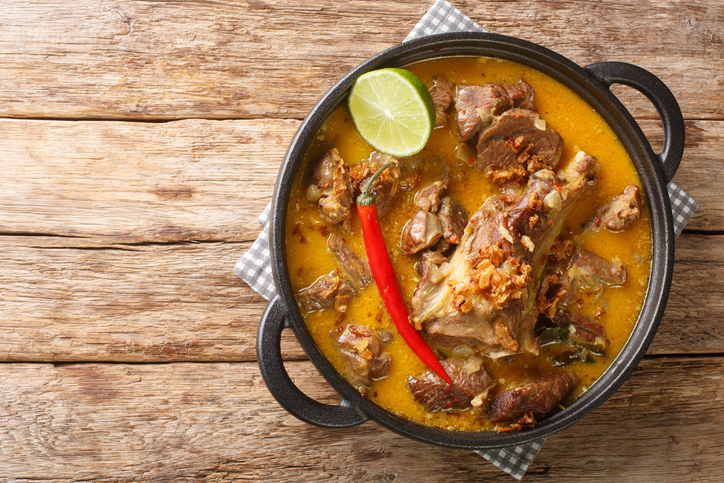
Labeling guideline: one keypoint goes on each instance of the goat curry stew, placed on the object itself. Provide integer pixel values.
(518, 236)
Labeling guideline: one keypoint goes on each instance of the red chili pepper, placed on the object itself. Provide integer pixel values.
(386, 279)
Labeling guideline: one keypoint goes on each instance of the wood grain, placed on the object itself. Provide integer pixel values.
(117, 240)
(168, 60)
(140, 182)
(129, 303)
(702, 165)
(63, 300)
(130, 182)
(695, 292)
(217, 422)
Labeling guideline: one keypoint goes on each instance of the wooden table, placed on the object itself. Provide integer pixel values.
(139, 142)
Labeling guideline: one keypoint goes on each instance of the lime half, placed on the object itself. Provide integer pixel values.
(393, 111)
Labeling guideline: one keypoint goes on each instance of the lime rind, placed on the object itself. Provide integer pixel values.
(393, 111)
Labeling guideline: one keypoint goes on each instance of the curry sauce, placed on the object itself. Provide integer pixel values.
(616, 308)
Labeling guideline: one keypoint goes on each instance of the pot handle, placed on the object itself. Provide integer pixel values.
(660, 96)
(269, 354)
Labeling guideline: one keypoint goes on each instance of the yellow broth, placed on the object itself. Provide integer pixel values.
(580, 127)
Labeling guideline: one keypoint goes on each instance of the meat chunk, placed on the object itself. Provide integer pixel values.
(327, 292)
(442, 96)
(353, 266)
(478, 106)
(555, 290)
(453, 218)
(385, 187)
(621, 212)
(583, 330)
(562, 250)
(433, 267)
(410, 179)
(429, 260)
(331, 188)
(428, 198)
(519, 143)
(591, 271)
(422, 231)
(486, 298)
(362, 351)
(521, 93)
(536, 399)
(471, 383)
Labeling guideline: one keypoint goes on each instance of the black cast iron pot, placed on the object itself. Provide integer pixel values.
(655, 171)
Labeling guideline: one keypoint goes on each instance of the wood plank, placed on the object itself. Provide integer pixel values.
(239, 59)
(63, 300)
(140, 182)
(701, 165)
(130, 182)
(694, 297)
(128, 303)
(188, 422)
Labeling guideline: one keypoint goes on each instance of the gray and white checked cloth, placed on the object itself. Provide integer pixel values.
(255, 266)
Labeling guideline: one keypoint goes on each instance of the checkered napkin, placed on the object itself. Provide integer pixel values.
(255, 267)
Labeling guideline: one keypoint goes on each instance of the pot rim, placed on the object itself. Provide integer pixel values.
(648, 168)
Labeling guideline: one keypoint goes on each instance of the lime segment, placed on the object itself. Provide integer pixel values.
(393, 111)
